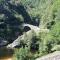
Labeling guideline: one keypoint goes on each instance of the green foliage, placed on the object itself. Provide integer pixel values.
(21, 54)
(48, 14)
(52, 38)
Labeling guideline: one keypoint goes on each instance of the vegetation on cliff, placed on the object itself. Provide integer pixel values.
(44, 14)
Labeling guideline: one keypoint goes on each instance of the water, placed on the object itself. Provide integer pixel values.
(6, 54)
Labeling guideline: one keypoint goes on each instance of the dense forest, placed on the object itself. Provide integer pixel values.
(30, 27)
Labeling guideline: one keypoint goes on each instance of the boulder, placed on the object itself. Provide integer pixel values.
(51, 56)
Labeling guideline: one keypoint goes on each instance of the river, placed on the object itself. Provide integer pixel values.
(6, 54)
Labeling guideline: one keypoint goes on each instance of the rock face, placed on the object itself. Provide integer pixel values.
(52, 56)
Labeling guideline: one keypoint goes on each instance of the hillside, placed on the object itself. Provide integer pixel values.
(30, 27)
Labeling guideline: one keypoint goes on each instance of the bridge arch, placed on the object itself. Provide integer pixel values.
(26, 28)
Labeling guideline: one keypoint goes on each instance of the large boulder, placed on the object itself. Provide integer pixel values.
(52, 56)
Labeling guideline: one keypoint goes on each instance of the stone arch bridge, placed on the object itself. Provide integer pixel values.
(27, 34)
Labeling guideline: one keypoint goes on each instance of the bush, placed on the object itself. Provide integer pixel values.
(21, 53)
